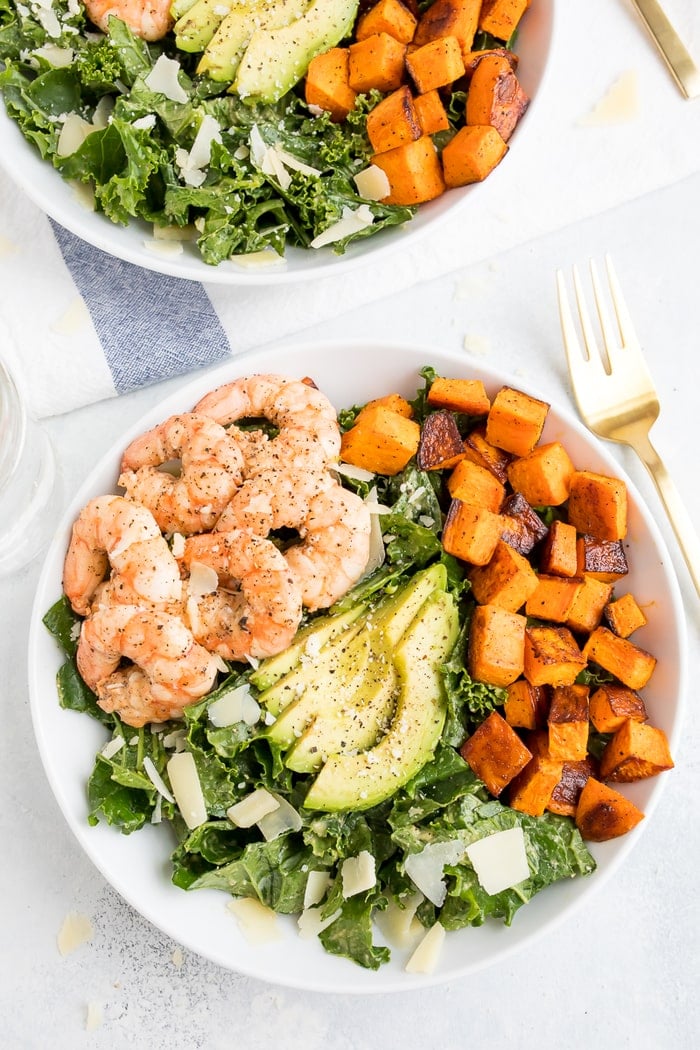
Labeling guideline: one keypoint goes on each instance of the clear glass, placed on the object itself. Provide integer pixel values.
(29, 491)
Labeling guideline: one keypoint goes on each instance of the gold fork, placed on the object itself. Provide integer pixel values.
(617, 399)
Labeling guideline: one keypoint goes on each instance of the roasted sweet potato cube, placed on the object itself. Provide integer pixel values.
(395, 402)
(441, 446)
(413, 170)
(552, 598)
(543, 475)
(482, 452)
(598, 505)
(552, 656)
(603, 559)
(624, 615)
(474, 484)
(432, 115)
(387, 16)
(522, 527)
(470, 532)
(327, 83)
(636, 751)
(567, 722)
(496, 645)
(526, 705)
(376, 62)
(500, 17)
(495, 96)
(460, 395)
(612, 705)
(472, 58)
(458, 18)
(603, 813)
(532, 789)
(472, 154)
(495, 753)
(516, 419)
(623, 659)
(507, 580)
(587, 607)
(565, 796)
(383, 441)
(435, 64)
(393, 121)
(558, 554)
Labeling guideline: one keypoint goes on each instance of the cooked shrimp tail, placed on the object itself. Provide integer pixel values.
(148, 19)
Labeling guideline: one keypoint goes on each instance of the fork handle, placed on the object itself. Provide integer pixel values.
(677, 514)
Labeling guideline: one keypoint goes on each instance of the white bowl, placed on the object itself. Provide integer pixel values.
(42, 183)
(137, 866)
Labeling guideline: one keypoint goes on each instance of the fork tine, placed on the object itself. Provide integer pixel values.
(627, 332)
(586, 327)
(610, 339)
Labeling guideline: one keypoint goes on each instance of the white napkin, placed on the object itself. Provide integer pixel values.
(80, 326)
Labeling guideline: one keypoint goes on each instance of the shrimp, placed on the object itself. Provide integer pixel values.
(308, 426)
(256, 609)
(273, 499)
(148, 19)
(210, 474)
(334, 548)
(111, 530)
(169, 669)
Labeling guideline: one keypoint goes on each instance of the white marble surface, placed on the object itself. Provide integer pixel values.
(623, 973)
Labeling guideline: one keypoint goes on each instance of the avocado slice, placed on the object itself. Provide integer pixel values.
(277, 58)
(227, 45)
(309, 640)
(359, 781)
(349, 668)
(198, 23)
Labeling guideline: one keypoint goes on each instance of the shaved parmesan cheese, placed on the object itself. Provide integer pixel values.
(350, 222)
(187, 789)
(203, 579)
(169, 248)
(399, 925)
(284, 818)
(178, 545)
(316, 885)
(75, 931)
(144, 123)
(426, 955)
(358, 874)
(619, 105)
(311, 923)
(156, 779)
(264, 257)
(425, 869)
(209, 131)
(500, 860)
(93, 1016)
(357, 473)
(175, 233)
(252, 808)
(373, 183)
(236, 705)
(112, 747)
(56, 56)
(377, 550)
(103, 112)
(73, 133)
(163, 79)
(294, 163)
(257, 922)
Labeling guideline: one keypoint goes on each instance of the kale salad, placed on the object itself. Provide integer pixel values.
(343, 868)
